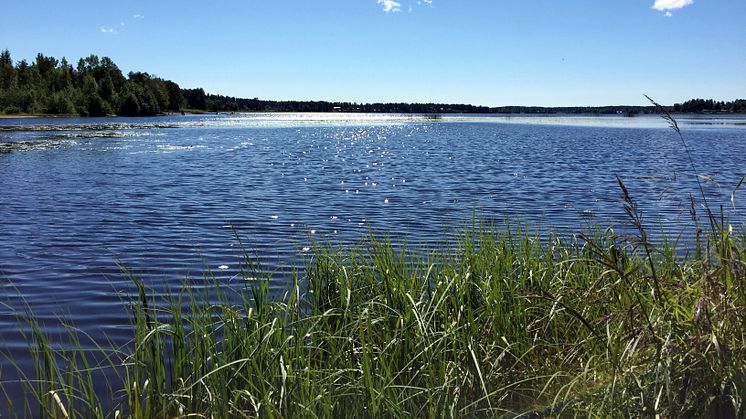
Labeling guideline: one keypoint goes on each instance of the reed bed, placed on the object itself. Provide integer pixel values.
(498, 323)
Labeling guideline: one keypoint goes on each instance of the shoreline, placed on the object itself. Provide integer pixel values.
(187, 113)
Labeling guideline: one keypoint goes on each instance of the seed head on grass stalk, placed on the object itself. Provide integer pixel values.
(674, 125)
(635, 215)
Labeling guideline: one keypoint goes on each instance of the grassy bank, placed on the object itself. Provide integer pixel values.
(36, 115)
(498, 323)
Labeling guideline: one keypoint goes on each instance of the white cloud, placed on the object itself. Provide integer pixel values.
(671, 4)
(138, 16)
(669, 14)
(109, 30)
(390, 5)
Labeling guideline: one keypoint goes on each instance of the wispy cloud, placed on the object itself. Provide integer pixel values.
(138, 16)
(390, 6)
(108, 30)
(665, 5)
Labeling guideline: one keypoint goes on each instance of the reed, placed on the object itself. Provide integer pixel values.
(499, 322)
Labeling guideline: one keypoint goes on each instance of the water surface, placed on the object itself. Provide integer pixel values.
(167, 197)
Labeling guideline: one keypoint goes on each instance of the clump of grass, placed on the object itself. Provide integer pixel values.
(498, 323)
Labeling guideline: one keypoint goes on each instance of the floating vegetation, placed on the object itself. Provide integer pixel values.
(11, 146)
(86, 127)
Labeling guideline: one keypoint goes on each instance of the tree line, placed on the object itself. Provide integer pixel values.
(199, 100)
(97, 87)
(710, 106)
(94, 87)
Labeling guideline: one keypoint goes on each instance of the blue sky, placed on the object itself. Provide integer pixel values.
(485, 52)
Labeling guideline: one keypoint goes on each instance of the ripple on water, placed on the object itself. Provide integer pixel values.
(187, 198)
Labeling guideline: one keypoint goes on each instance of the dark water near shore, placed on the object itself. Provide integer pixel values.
(167, 196)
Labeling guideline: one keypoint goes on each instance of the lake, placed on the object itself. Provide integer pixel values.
(170, 197)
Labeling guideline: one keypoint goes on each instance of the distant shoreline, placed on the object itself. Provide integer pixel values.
(507, 114)
(41, 115)
(4, 116)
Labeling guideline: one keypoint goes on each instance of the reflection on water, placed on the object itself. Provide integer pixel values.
(248, 120)
(168, 197)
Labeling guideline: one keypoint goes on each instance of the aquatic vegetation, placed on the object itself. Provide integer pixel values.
(499, 322)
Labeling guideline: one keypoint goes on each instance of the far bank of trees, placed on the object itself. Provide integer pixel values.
(93, 87)
(96, 87)
(198, 99)
(710, 106)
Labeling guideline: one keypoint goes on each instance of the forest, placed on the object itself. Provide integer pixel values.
(710, 106)
(198, 99)
(97, 87)
(94, 87)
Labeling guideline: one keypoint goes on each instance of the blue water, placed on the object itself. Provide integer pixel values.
(167, 197)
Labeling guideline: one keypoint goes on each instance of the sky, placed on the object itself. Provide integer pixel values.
(482, 52)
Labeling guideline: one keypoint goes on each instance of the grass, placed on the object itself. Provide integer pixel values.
(498, 323)
(37, 115)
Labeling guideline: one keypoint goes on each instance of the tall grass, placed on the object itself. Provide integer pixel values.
(498, 323)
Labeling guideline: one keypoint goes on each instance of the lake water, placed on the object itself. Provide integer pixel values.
(168, 196)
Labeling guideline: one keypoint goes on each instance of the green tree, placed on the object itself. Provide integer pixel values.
(107, 89)
(25, 74)
(176, 101)
(7, 72)
(96, 106)
(63, 79)
(128, 104)
(59, 103)
(45, 66)
(195, 98)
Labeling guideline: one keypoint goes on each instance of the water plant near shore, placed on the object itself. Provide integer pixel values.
(499, 322)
